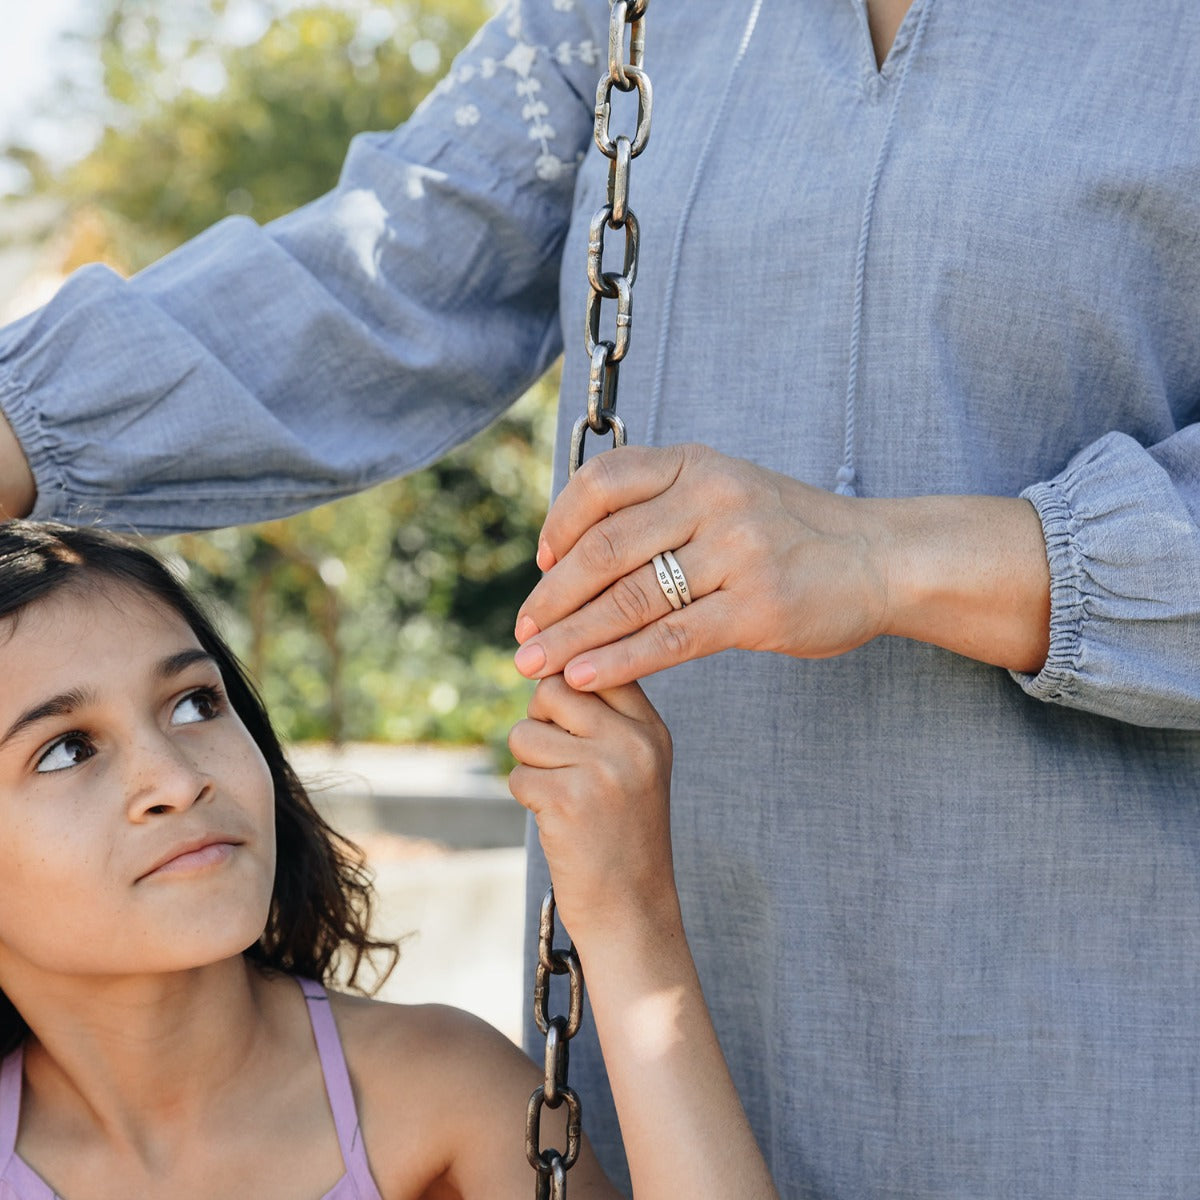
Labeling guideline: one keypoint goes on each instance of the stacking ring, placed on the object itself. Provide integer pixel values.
(671, 579)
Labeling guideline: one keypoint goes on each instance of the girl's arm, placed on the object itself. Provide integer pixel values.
(595, 768)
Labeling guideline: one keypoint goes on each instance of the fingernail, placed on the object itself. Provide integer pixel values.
(525, 629)
(530, 660)
(545, 556)
(580, 674)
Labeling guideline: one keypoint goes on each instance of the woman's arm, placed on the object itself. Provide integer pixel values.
(259, 370)
(1086, 587)
(16, 480)
(773, 564)
(595, 771)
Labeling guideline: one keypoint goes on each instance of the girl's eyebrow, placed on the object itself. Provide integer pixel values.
(175, 664)
(66, 703)
(61, 705)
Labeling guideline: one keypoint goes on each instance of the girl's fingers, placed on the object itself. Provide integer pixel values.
(541, 744)
(553, 701)
(633, 602)
(629, 701)
(537, 788)
(575, 715)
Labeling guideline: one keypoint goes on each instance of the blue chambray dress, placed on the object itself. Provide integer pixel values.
(947, 919)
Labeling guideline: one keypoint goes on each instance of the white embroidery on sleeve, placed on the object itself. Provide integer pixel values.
(521, 61)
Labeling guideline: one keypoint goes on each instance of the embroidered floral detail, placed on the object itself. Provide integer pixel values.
(586, 52)
(549, 167)
(522, 60)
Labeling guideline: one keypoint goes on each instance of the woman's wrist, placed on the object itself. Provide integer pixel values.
(967, 573)
(17, 489)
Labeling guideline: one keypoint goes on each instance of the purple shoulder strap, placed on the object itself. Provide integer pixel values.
(339, 1090)
(18, 1180)
(10, 1102)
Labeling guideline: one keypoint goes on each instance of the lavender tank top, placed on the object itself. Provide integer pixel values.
(18, 1181)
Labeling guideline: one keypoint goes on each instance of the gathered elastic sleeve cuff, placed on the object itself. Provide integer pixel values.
(1123, 546)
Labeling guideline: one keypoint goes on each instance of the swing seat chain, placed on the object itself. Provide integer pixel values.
(626, 28)
(626, 31)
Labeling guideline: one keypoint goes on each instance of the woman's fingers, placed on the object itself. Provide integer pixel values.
(633, 602)
(678, 636)
(606, 484)
(606, 553)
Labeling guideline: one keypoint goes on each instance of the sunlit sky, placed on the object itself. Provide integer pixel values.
(30, 62)
(28, 54)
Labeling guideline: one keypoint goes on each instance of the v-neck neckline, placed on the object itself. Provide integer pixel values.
(886, 71)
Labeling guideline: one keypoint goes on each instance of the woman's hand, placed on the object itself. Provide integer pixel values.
(771, 564)
(595, 771)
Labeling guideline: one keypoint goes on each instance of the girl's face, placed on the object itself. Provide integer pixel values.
(136, 813)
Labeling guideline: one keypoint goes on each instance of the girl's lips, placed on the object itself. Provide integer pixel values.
(199, 859)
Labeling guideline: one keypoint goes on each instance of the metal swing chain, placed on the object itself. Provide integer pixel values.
(625, 74)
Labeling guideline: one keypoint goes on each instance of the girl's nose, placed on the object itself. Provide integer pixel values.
(163, 778)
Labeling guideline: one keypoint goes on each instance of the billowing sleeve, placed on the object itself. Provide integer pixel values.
(259, 370)
(1122, 527)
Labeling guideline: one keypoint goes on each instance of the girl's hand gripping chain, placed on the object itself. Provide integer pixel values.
(595, 769)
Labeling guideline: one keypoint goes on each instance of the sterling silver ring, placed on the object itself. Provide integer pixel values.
(671, 579)
(666, 581)
(681, 583)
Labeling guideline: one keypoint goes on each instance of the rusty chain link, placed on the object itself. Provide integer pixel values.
(627, 24)
(626, 27)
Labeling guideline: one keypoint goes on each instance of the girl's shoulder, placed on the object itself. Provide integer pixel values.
(440, 1094)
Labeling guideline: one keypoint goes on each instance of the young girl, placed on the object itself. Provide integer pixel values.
(172, 909)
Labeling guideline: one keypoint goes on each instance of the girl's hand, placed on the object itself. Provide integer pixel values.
(595, 771)
(772, 564)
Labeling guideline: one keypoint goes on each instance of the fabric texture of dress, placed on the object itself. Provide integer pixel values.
(947, 919)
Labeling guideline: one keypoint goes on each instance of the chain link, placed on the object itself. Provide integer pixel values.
(626, 28)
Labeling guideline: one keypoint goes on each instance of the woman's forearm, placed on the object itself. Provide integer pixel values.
(17, 491)
(968, 573)
(682, 1122)
(772, 564)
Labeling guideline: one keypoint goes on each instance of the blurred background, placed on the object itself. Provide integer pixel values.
(379, 627)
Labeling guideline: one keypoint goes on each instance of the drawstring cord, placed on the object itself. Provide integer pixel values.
(846, 473)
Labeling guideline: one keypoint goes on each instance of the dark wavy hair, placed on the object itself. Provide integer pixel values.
(321, 903)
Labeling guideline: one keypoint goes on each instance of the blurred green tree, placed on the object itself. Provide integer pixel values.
(212, 107)
(387, 615)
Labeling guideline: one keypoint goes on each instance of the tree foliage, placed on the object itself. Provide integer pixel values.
(388, 615)
(201, 122)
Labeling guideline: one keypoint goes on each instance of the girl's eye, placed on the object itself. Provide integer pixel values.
(69, 751)
(204, 704)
